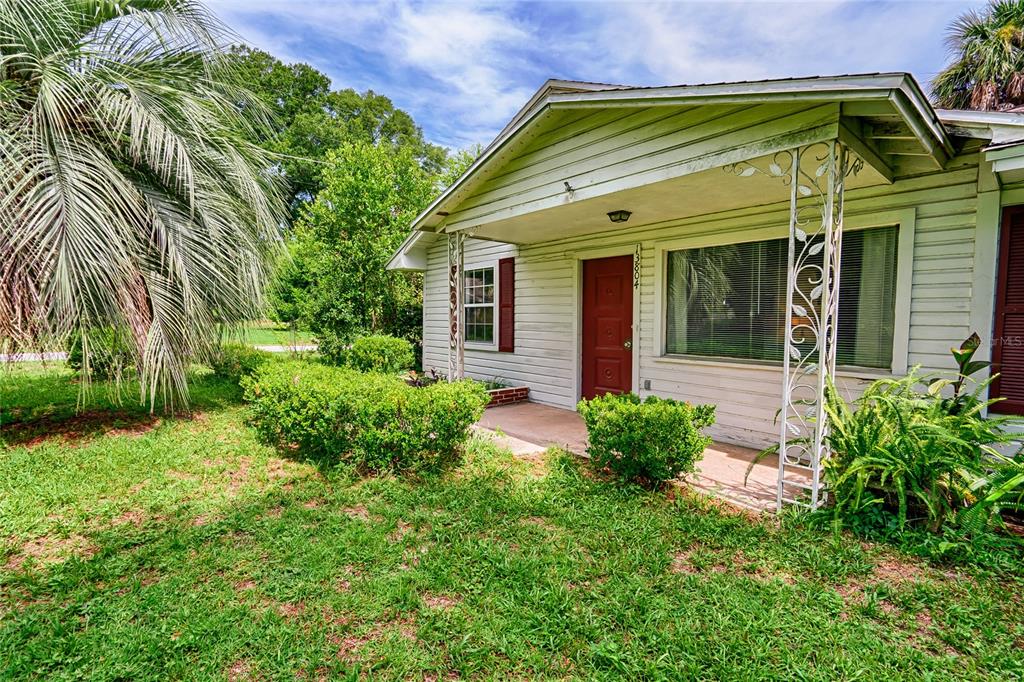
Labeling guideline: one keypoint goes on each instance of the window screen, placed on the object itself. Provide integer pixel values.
(729, 301)
(478, 302)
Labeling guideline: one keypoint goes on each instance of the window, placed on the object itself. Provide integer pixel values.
(729, 301)
(478, 303)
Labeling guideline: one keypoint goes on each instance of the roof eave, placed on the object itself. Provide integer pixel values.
(999, 127)
(921, 116)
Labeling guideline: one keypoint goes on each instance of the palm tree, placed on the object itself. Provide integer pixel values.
(987, 72)
(129, 198)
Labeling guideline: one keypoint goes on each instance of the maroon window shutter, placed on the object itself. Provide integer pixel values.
(1008, 339)
(507, 305)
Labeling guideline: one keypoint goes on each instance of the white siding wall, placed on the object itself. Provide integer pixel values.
(615, 149)
(747, 396)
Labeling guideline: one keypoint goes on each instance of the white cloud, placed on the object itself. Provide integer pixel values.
(462, 69)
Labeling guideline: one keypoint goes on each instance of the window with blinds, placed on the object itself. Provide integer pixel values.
(730, 301)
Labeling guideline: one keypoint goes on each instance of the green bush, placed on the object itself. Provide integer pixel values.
(373, 421)
(110, 353)
(900, 448)
(385, 354)
(919, 449)
(647, 442)
(235, 360)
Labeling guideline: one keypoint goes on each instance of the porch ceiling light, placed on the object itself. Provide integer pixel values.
(619, 216)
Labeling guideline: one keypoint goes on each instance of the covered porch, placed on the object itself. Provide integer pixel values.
(603, 232)
(619, 342)
(720, 472)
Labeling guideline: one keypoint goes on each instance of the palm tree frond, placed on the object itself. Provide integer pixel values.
(130, 198)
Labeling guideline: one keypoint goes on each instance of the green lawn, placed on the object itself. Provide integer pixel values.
(273, 334)
(141, 548)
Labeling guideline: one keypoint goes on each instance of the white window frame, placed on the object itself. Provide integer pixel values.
(904, 219)
(479, 345)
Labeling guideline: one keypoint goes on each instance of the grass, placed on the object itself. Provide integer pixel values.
(267, 333)
(182, 548)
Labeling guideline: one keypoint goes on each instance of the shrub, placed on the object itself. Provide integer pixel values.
(235, 360)
(332, 349)
(386, 354)
(110, 353)
(648, 442)
(918, 447)
(373, 421)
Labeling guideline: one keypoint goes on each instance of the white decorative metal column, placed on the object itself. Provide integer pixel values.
(816, 176)
(456, 340)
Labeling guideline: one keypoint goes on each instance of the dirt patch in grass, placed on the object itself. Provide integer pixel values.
(239, 476)
(135, 517)
(691, 562)
(898, 571)
(540, 522)
(287, 610)
(890, 571)
(442, 602)
(350, 646)
(344, 583)
(688, 562)
(240, 671)
(681, 563)
(78, 427)
(278, 468)
(401, 530)
(358, 512)
(536, 461)
(48, 550)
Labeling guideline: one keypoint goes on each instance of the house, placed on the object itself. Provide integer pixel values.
(734, 244)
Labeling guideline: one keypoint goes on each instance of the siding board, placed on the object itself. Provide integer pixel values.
(747, 397)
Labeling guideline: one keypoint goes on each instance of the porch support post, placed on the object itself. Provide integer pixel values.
(456, 339)
(816, 179)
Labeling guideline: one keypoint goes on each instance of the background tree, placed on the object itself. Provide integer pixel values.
(987, 72)
(132, 198)
(345, 237)
(313, 120)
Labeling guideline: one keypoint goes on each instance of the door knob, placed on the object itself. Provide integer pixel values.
(627, 344)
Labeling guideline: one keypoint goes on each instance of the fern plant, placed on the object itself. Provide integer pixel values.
(922, 445)
(910, 449)
(1000, 490)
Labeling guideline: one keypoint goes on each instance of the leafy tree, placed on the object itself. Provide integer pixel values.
(313, 120)
(132, 200)
(346, 236)
(987, 72)
(455, 165)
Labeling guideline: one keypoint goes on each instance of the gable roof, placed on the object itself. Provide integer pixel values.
(931, 128)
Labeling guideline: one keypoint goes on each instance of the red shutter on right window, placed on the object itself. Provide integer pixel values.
(507, 305)
(1008, 336)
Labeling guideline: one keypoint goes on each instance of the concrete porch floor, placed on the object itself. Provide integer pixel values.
(720, 472)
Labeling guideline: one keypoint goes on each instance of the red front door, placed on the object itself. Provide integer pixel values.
(607, 326)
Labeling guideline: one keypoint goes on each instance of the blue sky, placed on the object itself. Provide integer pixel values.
(463, 69)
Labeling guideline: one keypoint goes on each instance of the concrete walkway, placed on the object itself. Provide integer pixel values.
(32, 357)
(287, 349)
(720, 472)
